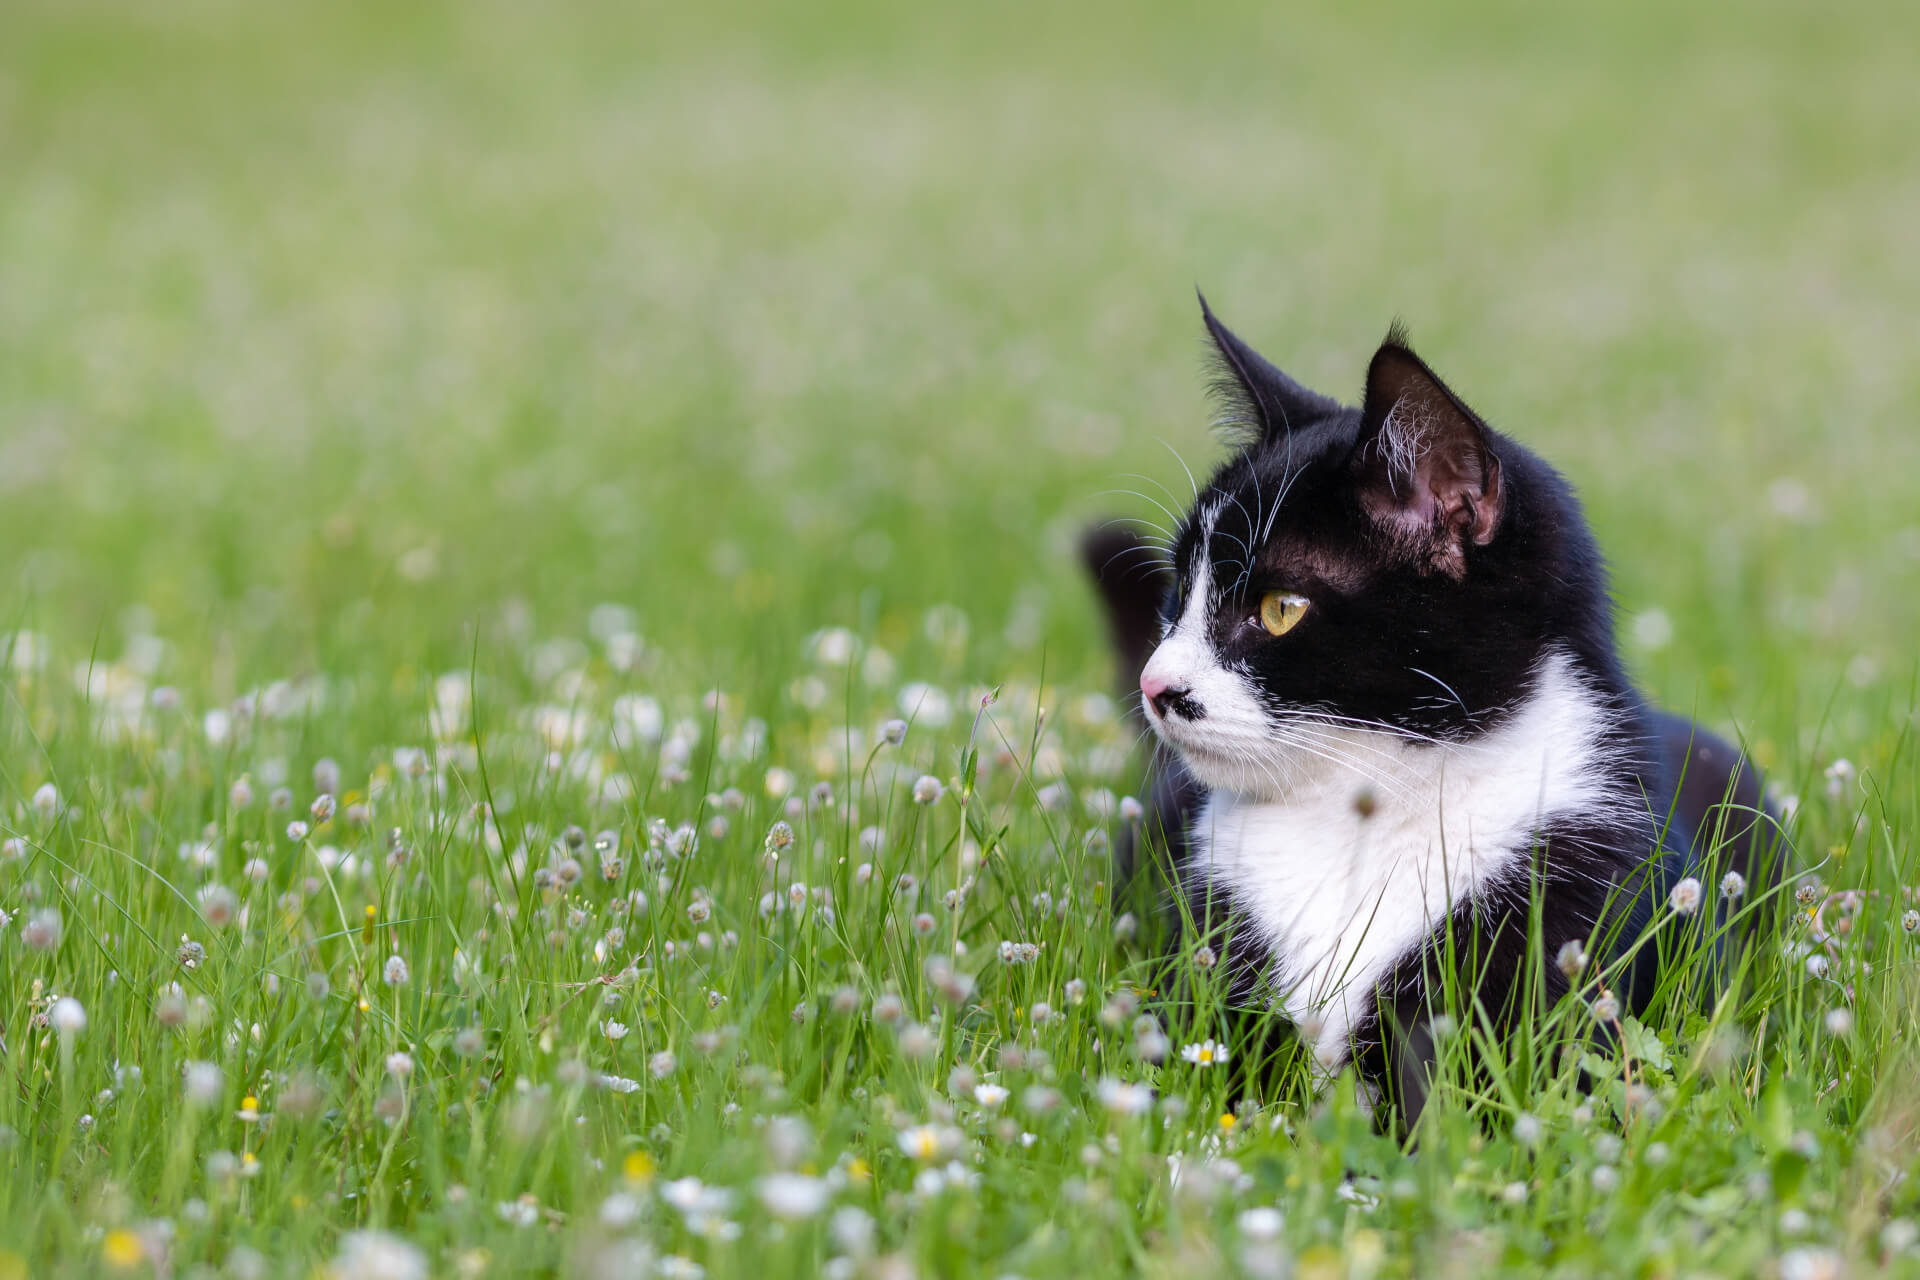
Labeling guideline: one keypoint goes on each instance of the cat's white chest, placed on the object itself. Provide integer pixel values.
(1341, 889)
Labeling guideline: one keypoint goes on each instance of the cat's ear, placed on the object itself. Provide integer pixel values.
(1425, 467)
(1260, 402)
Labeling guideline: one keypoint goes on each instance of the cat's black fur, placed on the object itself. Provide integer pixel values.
(1430, 619)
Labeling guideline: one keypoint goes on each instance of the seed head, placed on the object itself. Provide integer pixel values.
(1685, 898)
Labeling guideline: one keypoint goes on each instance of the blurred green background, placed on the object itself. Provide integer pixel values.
(328, 330)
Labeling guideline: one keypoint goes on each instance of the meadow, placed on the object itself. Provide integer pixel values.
(550, 722)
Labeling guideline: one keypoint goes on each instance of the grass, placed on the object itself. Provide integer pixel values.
(351, 358)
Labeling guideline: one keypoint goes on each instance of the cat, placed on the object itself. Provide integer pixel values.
(1380, 651)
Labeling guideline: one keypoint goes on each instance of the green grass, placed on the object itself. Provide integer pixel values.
(350, 356)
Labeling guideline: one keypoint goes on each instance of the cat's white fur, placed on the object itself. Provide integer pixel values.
(1344, 847)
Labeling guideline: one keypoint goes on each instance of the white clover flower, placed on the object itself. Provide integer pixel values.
(42, 930)
(1527, 1128)
(1131, 810)
(1733, 885)
(204, 1083)
(893, 732)
(395, 972)
(46, 801)
(662, 1064)
(1685, 898)
(1812, 1263)
(1839, 1022)
(1911, 921)
(1572, 959)
(377, 1255)
(1123, 1098)
(1606, 1179)
(297, 831)
(322, 809)
(1207, 1053)
(928, 789)
(794, 1197)
(1605, 1007)
(1263, 1223)
(67, 1016)
(399, 1065)
(852, 1230)
(619, 1211)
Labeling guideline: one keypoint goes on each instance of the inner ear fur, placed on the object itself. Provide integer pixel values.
(1425, 468)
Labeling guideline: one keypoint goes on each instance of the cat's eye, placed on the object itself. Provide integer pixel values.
(1281, 611)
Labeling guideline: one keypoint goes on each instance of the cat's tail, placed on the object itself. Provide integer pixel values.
(1131, 576)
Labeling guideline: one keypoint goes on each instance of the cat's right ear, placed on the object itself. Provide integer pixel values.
(1260, 403)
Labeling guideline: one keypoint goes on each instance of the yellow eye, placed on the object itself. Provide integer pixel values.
(1281, 611)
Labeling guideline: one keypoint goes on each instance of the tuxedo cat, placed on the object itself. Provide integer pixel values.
(1380, 651)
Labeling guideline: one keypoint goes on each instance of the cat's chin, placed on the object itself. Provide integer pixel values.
(1241, 772)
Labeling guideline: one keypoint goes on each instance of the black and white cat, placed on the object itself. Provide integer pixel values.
(1380, 648)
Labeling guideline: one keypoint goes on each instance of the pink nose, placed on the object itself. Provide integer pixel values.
(1152, 686)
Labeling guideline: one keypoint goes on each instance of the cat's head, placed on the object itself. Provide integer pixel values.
(1396, 568)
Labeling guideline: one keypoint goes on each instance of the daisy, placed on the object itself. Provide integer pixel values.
(1207, 1053)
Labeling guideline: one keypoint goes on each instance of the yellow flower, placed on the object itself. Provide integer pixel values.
(122, 1250)
(859, 1170)
(639, 1167)
(1227, 1122)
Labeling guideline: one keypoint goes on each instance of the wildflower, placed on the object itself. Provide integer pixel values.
(1911, 922)
(399, 1065)
(699, 911)
(395, 973)
(1839, 1021)
(989, 1095)
(924, 925)
(1019, 952)
(1207, 1053)
(662, 1064)
(1263, 1223)
(1685, 898)
(523, 1212)
(1514, 1193)
(322, 809)
(893, 732)
(794, 1196)
(204, 1083)
(1808, 893)
(1205, 958)
(41, 932)
(1527, 1128)
(1125, 926)
(619, 1211)
(928, 790)
(240, 794)
(1605, 1179)
(67, 1016)
(929, 1142)
(249, 1112)
(1733, 885)
(1076, 991)
(122, 1250)
(888, 1008)
(917, 1042)
(1605, 1007)
(190, 955)
(1572, 959)
(1839, 774)
(852, 1230)
(218, 905)
(1811, 1263)
(1131, 810)
(46, 801)
(297, 831)
(615, 1031)
(779, 837)
(1123, 1098)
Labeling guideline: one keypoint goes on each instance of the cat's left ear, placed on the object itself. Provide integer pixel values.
(1425, 467)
